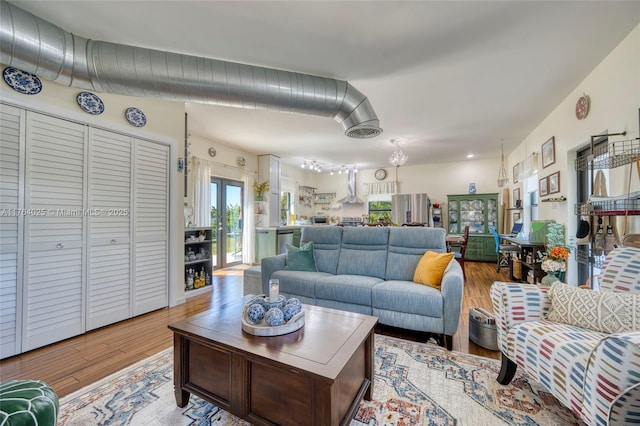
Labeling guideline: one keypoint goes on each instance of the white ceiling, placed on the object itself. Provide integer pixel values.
(445, 78)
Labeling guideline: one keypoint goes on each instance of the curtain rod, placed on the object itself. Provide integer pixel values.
(244, 169)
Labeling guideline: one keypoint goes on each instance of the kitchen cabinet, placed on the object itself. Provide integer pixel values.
(273, 241)
(478, 211)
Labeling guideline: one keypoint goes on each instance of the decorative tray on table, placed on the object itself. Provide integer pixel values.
(262, 317)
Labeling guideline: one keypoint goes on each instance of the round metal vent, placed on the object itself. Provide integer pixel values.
(363, 132)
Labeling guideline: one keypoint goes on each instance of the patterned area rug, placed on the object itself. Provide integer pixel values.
(415, 384)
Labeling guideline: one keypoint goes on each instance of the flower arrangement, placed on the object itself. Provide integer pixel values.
(557, 253)
(261, 187)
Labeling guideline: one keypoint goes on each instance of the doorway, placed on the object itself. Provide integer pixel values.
(226, 222)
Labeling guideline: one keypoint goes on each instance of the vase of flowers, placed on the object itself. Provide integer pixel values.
(260, 188)
(556, 256)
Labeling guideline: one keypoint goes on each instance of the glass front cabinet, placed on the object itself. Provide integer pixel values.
(479, 211)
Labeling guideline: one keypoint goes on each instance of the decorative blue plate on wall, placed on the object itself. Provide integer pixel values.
(22, 81)
(90, 103)
(135, 117)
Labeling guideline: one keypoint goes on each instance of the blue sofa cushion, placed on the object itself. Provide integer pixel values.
(326, 246)
(407, 245)
(298, 282)
(409, 297)
(346, 288)
(300, 259)
(364, 252)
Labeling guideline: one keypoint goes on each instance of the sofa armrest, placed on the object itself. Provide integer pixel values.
(613, 365)
(269, 266)
(514, 303)
(452, 288)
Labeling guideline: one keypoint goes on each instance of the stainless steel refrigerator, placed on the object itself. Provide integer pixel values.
(411, 208)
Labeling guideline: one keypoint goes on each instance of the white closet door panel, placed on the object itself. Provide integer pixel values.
(151, 274)
(53, 302)
(55, 163)
(9, 328)
(53, 299)
(151, 226)
(110, 285)
(11, 135)
(109, 279)
(110, 184)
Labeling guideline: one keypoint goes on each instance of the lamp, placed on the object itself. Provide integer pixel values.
(398, 157)
(502, 174)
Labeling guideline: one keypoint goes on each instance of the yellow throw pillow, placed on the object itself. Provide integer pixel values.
(431, 268)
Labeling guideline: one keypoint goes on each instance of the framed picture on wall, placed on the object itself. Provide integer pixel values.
(543, 186)
(516, 217)
(554, 183)
(516, 171)
(516, 196)
(549, 152)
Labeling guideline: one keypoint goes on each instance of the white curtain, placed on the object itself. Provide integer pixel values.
(202, 192)
(248, 234)
(380, 188)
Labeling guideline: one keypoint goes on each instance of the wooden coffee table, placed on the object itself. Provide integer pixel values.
(314, 376)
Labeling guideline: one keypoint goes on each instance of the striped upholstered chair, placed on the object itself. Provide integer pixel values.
(583, 346)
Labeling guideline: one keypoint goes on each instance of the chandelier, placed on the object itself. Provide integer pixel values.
(398, 157)
(502, 174)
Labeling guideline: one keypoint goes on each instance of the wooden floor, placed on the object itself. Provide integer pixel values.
(77, 362)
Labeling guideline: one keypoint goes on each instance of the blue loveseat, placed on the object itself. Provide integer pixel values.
(369, 270)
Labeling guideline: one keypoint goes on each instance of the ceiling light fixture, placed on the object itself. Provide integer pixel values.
(398, 157)
(502, 174)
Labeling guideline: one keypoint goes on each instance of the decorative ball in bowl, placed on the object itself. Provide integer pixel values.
(255, 313)
(261, 318)
(274, 317)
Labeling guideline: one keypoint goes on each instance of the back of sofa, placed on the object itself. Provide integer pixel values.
(364, 251)
(406, 247)
(326, 246)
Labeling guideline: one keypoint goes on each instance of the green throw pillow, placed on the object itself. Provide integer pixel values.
(300, 259)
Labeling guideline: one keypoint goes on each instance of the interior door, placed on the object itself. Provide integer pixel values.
(227, 210)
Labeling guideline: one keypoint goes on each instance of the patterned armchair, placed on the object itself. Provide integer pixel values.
(596, 374)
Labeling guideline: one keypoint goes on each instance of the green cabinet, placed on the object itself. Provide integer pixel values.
(479, 211)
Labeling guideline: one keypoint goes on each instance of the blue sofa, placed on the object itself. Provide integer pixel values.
(369, 270)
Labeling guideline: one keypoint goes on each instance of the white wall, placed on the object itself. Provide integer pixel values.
(614, 89)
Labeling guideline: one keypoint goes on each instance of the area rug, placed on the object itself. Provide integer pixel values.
(415, 384)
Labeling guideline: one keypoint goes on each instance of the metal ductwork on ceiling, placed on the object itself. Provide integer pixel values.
(46, 50)
(351, 197)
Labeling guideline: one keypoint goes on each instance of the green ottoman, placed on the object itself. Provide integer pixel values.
(27, 403)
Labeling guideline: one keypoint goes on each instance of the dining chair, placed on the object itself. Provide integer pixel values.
(503, 251)
(460, 254)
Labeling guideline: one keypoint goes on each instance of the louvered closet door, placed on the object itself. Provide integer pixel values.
(53, 264)
(151, 214)
(109, 283)
(11, 222)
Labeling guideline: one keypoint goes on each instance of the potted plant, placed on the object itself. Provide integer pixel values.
(260, 189)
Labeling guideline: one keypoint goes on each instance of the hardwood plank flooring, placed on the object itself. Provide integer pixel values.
(77, 362)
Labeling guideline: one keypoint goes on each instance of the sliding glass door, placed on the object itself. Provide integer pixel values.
(226, 222)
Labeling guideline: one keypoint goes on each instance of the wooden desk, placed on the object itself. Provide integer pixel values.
(526, 248)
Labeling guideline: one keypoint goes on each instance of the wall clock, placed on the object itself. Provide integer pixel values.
(212, 152)
(381, 174)
(582, 107)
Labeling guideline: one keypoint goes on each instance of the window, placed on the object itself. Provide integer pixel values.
(379, 207)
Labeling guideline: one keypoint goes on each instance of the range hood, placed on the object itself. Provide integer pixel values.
(37, 46)
(351, 197)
